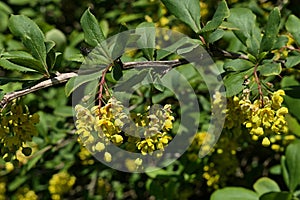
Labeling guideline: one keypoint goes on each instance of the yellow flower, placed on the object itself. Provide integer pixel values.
(282, 111)
(257, 131)
(277, 99)
(107, 157)
(146, 146)
(26, 194)
(60, 184)
(117, 139)
(9, 166)
(266, 142)
(275, 147)
(99, 146)
(138, 161)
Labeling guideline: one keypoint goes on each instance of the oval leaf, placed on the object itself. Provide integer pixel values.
(269, 69)
(221, 13)
(6, 64)
(277, 196)
(76, 82)
(292, 61)
(248, 32)
(234, 193)
(265, 185)
(146, 42)
(293, 164)
(31, 36)
(93, 34)
(271, 31)
(187, 11)
(293, 26)
(237, 65)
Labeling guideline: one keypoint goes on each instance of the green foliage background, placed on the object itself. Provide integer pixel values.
(56, 149)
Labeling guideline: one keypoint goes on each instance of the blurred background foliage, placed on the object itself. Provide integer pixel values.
(58, 161)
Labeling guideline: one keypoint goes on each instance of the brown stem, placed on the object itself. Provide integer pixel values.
(261, 97)
(101, 84)
(217, 52)
(60, 78)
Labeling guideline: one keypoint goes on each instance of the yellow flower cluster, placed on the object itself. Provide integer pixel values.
(2, 190)
(103, 187)
(262, 119)
(17, 126)
(85, 156)
(211, 175)
(133, 165)
(112, 124)
(60, 184)
(197, 143)
(222, 160)
(26, 194)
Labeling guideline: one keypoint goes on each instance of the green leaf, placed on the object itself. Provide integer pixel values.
(293, 125)
(234, 193)
(234, 82)
(281, 41)
(131, 78)
(265, 185)
(292, 98)
(23, 2)
(248, 32)
(162, 53)
(93, 34)
(51, 58)
(33, 161)
(156, 98)
(244, 20)
(5, 8)
(58, 37)
(275, 170)
(4, 21)
(49, 45)
(216, 35)
(119, 44)
(221, 13)
(117, 72)
(32, 37)
(63, 111)
(271, 31)
(6, 64)
(75, 82)
(187, 11)
(253, 45)
(269, 69)
(23, 59)
(292, 25)
(1, 94)
(285, 173)
(277, 196)
(129, 17)
(293, 164)
(292, 61)
(146, 42)
(17, 182)
(237, 65)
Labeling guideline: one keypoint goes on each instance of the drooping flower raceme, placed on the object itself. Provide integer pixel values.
(112, 124)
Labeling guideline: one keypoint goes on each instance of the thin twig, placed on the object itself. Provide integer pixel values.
(61, 78)
(217, 52)
(261, 97)
(44, 84)
(146, 64)
(101, 84)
